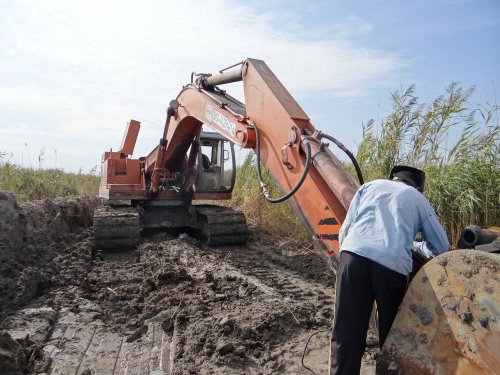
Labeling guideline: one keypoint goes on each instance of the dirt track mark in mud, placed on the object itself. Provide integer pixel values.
(251, 309)
(184, 308)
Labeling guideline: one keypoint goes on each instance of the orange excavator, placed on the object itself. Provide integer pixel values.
(443, 326)
(189, 164)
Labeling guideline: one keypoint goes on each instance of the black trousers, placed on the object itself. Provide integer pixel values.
(360, 282)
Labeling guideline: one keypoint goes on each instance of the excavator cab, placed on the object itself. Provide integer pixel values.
(216, 164)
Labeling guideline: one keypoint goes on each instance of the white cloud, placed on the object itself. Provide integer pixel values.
(78, 70)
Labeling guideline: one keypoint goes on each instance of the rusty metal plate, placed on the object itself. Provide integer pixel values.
(448, 322)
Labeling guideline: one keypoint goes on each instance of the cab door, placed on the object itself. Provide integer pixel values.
(216, 164)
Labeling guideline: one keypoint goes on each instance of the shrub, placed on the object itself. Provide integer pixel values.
(30, 184)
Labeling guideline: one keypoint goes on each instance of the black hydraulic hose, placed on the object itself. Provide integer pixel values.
(297, 185)
(305, 349)
(349, 154)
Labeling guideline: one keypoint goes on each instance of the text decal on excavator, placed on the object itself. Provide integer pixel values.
(213, 116)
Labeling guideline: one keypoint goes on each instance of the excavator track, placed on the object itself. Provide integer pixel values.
(116, 228)
(222, 225)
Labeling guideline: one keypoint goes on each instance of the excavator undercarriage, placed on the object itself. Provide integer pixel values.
(119, 228)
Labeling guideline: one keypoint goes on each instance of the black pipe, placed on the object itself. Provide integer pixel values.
(474, 235)
(349, 154)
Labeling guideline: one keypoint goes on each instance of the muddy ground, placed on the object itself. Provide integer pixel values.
(173, 306)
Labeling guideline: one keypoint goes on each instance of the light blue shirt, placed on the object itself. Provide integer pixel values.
(382, 221)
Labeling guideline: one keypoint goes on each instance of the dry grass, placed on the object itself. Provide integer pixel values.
(276, 219)
(457, 143)
(30, 184)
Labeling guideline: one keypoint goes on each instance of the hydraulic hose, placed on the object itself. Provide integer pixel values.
(305, 349)
(349, 154)
(297, 185)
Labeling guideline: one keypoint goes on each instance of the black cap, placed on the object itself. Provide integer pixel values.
(409, 175)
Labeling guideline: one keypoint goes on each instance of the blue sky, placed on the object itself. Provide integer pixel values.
(72, 73)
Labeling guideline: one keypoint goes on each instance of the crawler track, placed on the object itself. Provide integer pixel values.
(119, 228)
(116, 228)
(222, 225)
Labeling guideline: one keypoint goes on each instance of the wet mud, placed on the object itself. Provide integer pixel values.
(172, 306)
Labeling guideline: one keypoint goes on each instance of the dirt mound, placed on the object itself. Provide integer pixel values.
(10, 221)
(12, 357)
(32, 236)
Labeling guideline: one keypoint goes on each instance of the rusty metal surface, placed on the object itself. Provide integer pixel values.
(449, 321)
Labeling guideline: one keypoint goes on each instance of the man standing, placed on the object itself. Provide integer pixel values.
(375, 259)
